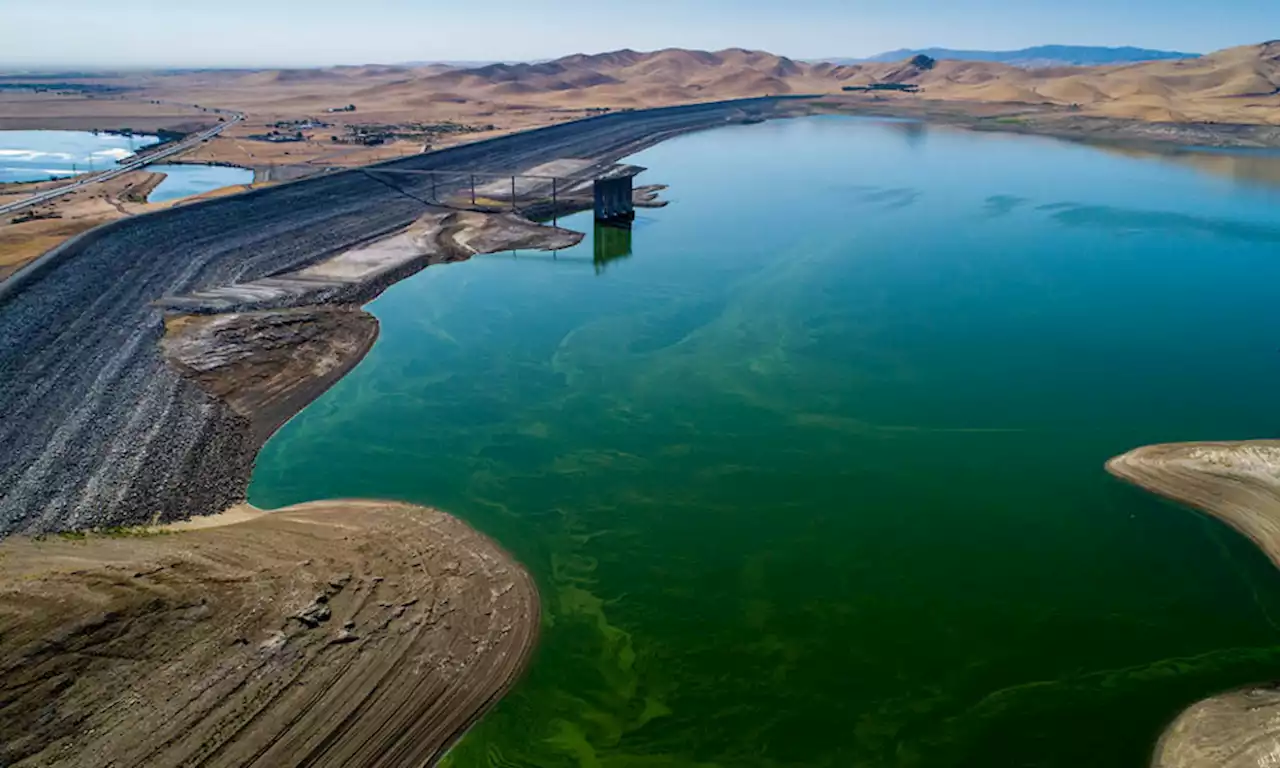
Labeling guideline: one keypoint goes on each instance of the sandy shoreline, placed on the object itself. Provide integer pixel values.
(337, 633)
(1236, 482)
(390, 628)
(1054, 122)
(342, 633)
(1239, 484)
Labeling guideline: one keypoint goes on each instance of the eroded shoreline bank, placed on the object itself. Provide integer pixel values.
(1237, 483)
(336, 633)
(1051, 121)
(341, 633)
(269, 348)
(144, 370)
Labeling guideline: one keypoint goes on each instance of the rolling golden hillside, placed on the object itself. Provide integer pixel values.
(1237, 85)
(437, 105)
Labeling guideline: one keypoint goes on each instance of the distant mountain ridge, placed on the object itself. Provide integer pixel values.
(1239, 84)
(1040, 55)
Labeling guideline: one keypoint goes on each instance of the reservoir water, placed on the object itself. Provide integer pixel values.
(809, 467)
(186, 180)
(44, 155)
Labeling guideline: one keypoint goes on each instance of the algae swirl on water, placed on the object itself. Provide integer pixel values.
(814, 476)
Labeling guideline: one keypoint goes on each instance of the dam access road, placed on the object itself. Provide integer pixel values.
(99, 430)
(135, 163)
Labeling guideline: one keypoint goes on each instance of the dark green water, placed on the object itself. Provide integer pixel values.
(814, 476)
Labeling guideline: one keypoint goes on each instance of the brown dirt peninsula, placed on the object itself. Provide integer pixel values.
(335, 633)
(1238, 483)
(353, 633)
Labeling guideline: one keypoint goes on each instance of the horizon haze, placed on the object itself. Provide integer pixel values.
(238, 33)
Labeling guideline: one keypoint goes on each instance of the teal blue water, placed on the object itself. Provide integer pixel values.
(185, 180)
(809, 468)
(45, 155)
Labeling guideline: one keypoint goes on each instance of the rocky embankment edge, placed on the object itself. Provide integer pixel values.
(1239, 484)
(268, 348)
(102, 429)
(341, 633)
(144, 365)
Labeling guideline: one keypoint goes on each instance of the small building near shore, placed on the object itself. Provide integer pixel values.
(614, 190)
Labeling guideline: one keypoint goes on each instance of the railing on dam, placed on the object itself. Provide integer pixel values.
(563, 185)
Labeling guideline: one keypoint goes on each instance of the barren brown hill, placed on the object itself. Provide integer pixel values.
(630, 78)
(1239, 85)
(1229, 98)
(1236, 85)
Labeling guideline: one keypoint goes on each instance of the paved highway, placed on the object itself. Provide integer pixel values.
(99, 430)
(131, 164)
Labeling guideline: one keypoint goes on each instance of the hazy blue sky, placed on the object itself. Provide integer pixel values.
(39, 33)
